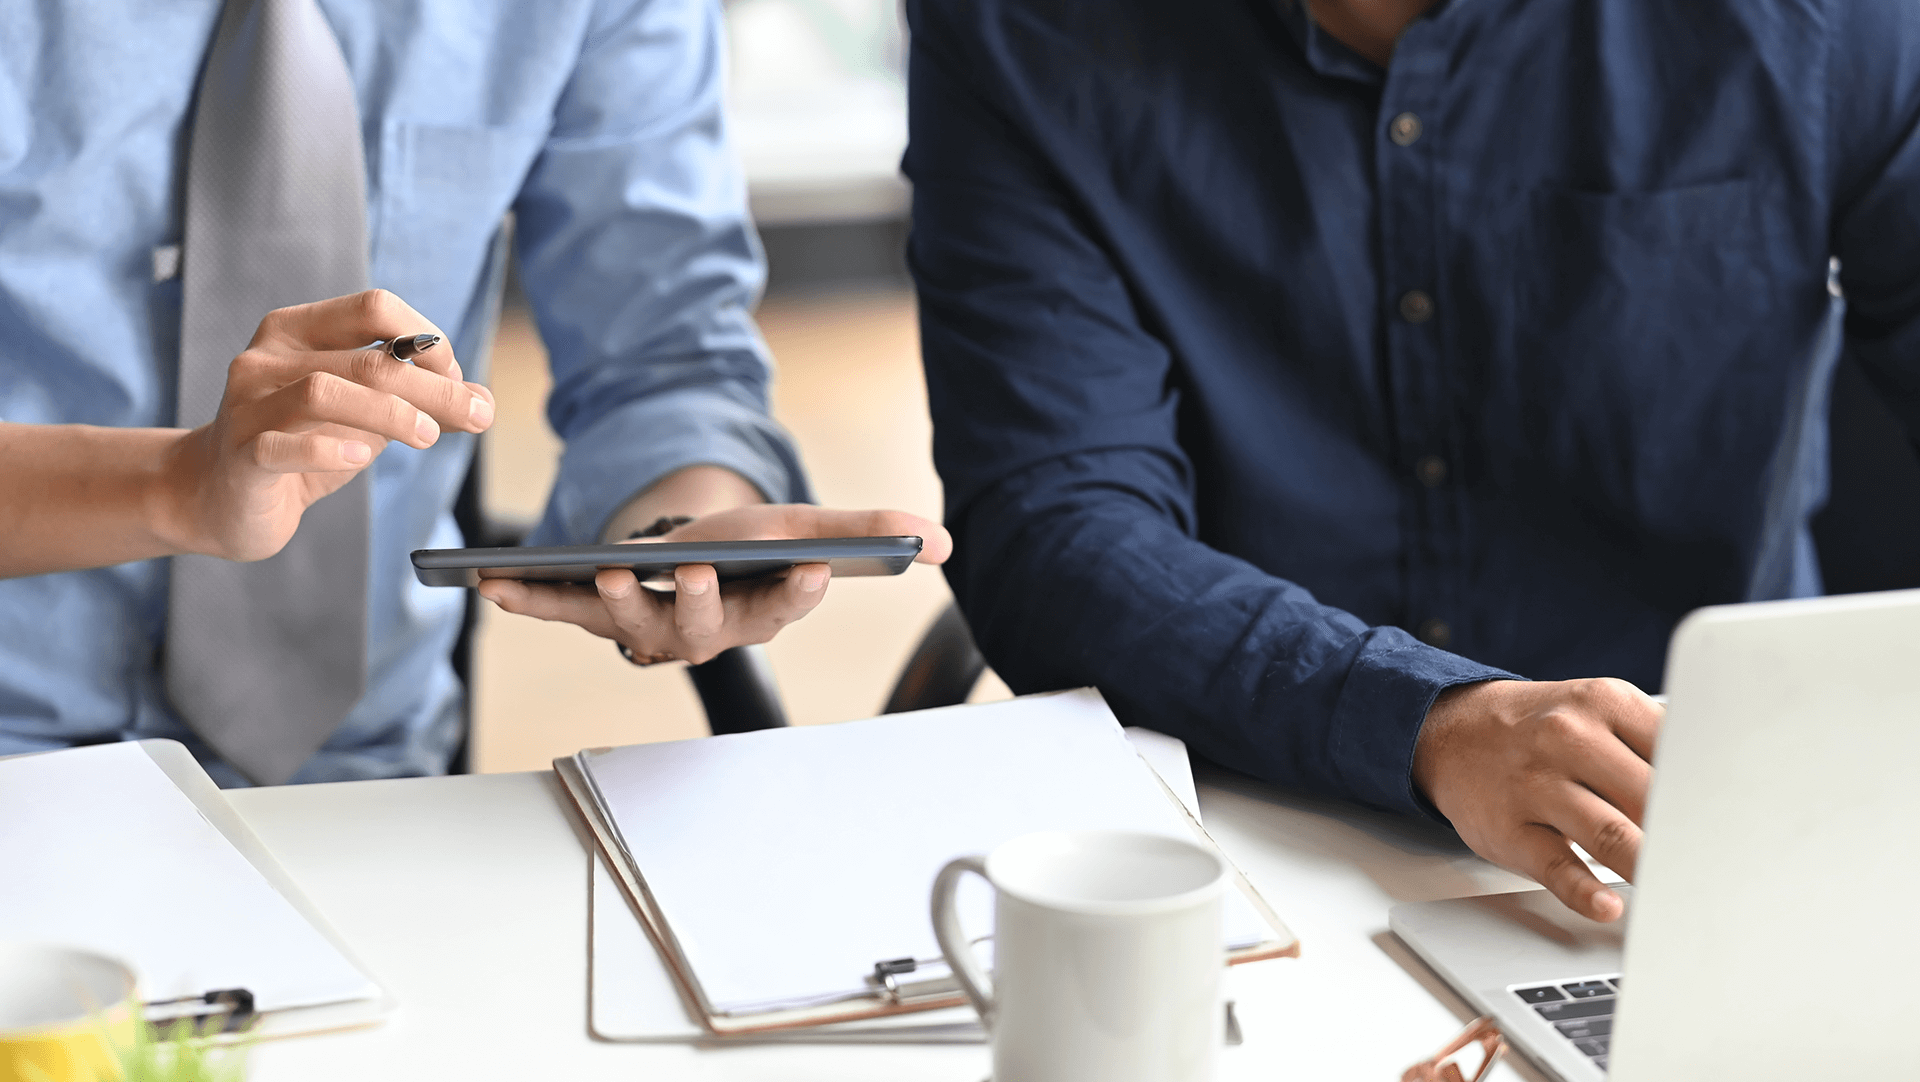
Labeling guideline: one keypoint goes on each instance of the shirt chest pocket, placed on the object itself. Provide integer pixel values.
(1596, 256)
(440, 193)
(1644, 342)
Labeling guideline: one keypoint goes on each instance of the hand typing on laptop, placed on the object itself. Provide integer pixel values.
(1523, 769)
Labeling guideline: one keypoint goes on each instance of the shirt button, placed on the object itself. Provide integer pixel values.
(1416, 306)
(1405, 129)
(1432, 471)
(1436, 633)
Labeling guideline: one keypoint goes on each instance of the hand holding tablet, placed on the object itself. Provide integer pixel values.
(654, 564)
(737, 576)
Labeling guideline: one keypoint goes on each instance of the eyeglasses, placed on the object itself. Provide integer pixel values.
(1441, 1068)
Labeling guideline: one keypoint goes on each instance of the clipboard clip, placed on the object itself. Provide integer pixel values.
(223, 1010)
(886, 983)
(885, 975)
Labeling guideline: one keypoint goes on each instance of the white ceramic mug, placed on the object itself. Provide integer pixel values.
(1107, 954)
(62, 1012)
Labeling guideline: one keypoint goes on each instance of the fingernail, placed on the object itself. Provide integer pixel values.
(356, 452)
(425, 429)
(813, 581)
(695, 587)
(621, 590)
(480, 411)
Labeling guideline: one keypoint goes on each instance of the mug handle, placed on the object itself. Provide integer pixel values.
(953, 941)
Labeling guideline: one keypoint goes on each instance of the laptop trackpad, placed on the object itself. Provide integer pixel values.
(1500, 939)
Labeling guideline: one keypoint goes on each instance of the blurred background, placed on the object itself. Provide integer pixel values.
(819, 112)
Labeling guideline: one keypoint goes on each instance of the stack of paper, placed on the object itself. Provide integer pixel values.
(779, 866)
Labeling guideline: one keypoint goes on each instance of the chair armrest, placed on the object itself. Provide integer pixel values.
(738, 691)
(943, 669)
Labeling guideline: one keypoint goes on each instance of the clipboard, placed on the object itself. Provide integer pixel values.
(894, 987)
(233, 1007)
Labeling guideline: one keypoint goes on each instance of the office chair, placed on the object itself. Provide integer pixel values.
(943, 668)
(738, 690)
(1868, 536)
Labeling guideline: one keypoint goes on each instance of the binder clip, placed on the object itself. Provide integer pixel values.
(885, 974)
(886, 983)
(223, 1010)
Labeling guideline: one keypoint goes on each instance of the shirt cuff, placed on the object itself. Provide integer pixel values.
(1377, 721)
(628, 449)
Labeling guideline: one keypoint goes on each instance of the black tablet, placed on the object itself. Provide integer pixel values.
(654, 563)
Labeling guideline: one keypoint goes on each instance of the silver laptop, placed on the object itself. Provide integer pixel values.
(1775, 929)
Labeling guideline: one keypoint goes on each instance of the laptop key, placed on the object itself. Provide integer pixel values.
(1585, 1027)
(1596, 1007)
(1596, 1047)
(1546, 993)
(1580, 1011)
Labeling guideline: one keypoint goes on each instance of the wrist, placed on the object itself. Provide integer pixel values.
(1450, 709)
(172, 494)
(691, 491)
(660, 528)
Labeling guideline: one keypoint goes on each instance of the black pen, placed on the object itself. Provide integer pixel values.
(401, 349)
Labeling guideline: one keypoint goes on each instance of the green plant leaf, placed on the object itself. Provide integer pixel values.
(179, 1052)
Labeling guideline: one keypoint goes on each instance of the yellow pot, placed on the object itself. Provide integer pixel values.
(62, 1012)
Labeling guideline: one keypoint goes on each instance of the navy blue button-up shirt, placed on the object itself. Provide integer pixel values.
(1275, 392)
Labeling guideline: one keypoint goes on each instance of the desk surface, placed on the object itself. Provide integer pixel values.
(467, 897)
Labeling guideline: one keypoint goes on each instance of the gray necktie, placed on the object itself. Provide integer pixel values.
(263, 660)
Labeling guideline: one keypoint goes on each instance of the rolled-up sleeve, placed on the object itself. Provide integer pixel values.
(1072, 501)
(642, 267)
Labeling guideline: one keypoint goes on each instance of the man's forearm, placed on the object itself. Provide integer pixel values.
(692, 491)
(74, 496)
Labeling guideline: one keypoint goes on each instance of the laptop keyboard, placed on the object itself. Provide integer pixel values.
(1581, 1010)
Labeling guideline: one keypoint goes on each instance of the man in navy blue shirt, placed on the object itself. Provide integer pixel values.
(1304, 371)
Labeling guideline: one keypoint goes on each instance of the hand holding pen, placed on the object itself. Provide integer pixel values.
(307, 406)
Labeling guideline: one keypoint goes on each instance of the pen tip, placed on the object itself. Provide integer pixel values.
(411, 346)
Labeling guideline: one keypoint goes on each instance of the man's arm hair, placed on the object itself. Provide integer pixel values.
(75, 496)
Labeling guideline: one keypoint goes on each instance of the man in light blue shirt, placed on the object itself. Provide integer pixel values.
(597, 125)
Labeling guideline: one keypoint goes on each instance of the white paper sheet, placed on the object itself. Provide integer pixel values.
(788, 862)
(99, 850)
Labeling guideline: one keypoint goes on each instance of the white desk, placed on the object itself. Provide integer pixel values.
(467, 898)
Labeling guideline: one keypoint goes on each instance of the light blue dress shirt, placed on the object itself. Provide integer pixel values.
(598, 125)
